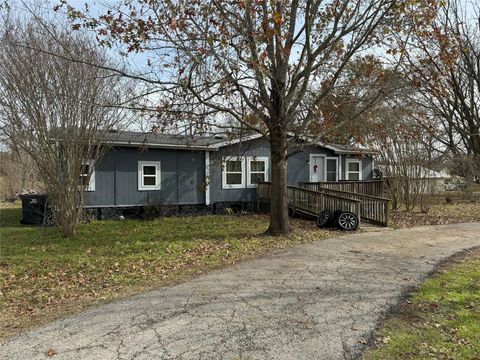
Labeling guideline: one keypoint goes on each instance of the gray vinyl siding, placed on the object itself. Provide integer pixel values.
(367, 168)
(182, 173)
(104, 182)
(191, 177)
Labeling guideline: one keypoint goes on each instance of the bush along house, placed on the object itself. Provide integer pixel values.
(185, 174)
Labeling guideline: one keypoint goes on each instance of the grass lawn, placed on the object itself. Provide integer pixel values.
(44, 276)
(440, 321)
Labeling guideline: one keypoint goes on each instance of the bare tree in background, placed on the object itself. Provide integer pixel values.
(444, 65)
(18, 173)
(404, 162)
(57, 110)
(395, 126)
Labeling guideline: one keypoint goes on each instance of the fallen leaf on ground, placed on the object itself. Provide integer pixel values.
(51, 352)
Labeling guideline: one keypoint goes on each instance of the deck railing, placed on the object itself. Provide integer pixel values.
(311, 201)
(368, 187)
(373, 209)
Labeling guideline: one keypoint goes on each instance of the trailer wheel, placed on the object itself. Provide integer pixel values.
(348, 221)
(48, 220)
(324, 218)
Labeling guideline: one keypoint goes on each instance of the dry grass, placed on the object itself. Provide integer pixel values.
(439, 212)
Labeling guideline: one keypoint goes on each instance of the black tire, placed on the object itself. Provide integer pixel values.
(48, 220)
(348, 221)
(336, 215)
(324, 218)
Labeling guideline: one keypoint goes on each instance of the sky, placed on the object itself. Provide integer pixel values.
(136, 61)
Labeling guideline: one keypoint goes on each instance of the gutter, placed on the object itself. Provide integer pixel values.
(355, 152)
(164, 146)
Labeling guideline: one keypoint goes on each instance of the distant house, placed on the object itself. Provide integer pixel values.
(146, 168)
(435, 182)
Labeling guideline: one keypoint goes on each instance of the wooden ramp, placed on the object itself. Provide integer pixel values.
(311, 199)
(373, 209)
(311, 202)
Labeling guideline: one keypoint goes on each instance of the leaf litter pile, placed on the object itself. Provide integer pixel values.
(438, 214)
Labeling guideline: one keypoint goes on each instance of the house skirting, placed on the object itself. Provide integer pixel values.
(169, 210)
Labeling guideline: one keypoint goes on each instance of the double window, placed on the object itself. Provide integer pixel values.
(236, 174)
(354, 169)
(149, 175)
(87, 175)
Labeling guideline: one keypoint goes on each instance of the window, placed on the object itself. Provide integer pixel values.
(87, 175)
(257, 170)
(354, 169)
(148, 175)
(233, 173)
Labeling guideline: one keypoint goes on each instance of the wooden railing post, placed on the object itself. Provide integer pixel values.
(294, 202)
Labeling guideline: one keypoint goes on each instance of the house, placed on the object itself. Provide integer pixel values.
(141, 169)
(435, 181)
(432, 182)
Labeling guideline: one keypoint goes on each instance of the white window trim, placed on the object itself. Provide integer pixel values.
(91, 169)
(337, 175)
(158, 177)
(266, 172)
(224, 172)
(347, 172)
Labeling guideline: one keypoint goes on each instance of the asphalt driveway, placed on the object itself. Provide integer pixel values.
(315, 301)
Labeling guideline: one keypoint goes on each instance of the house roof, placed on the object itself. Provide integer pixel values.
(210, 142)
(131, 138)
(349, 149)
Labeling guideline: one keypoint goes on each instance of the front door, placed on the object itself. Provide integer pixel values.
(317, 168)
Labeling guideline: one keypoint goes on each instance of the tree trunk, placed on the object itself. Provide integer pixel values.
(279, 223)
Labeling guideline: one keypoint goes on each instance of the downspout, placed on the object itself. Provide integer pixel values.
(176, 182)
(340, 160)
(372, 172)
(207, 178)
(115, 177)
